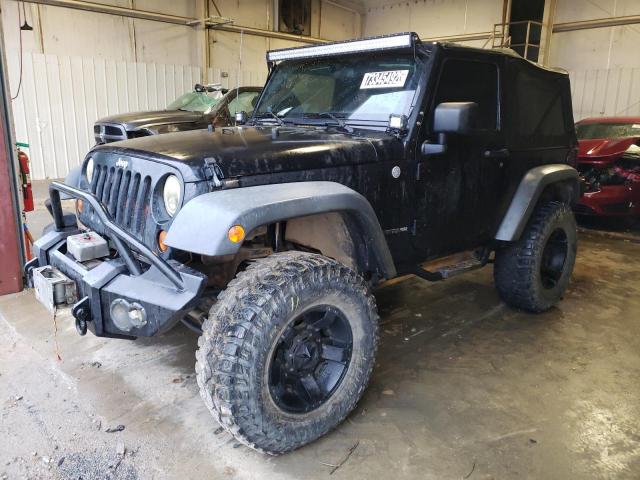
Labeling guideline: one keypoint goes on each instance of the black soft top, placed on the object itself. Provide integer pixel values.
(501, 51)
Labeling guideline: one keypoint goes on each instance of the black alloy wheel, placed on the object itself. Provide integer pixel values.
(554, 257)
(310, 359)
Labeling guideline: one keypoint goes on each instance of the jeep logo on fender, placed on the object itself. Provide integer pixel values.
(122, 163)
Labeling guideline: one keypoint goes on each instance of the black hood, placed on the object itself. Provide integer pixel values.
(241, 151)
(136, 120)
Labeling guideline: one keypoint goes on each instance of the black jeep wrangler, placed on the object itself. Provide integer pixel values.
(363, 160)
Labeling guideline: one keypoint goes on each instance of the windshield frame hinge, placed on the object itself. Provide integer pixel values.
(213, 173)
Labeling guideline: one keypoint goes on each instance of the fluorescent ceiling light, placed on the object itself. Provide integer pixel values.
(403, 40)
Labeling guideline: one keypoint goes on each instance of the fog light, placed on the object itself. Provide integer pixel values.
(398, 122)
(127, 316)
(137, 315)
(236, 233)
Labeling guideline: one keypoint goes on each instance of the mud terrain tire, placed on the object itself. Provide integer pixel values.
(533, 273)
(257, 316)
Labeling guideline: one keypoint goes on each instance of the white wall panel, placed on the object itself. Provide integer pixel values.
(327, 20)
(248, 13)
(432, 18)
(225, 51)
(604, 63)
(61, 97)
(82, 33)
(64, 31)
(605, 92)
(338, 23)
(576, 10)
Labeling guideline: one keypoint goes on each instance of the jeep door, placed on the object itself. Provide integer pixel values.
(458, 192)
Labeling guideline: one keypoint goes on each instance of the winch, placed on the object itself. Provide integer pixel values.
(87, 246)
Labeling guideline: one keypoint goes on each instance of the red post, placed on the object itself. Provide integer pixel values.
(10, 229)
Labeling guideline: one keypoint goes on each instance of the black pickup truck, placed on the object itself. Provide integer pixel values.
(362, 161)
(205, 105)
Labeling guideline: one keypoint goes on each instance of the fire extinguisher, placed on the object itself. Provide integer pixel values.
(27, 196)
(25, 181)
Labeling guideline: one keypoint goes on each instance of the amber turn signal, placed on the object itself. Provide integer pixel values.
(161, 245)
(79, 205)
(236, 234)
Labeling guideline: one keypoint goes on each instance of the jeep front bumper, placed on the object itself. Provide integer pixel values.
(163, 290)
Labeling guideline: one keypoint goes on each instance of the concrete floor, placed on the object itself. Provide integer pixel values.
(464, 388)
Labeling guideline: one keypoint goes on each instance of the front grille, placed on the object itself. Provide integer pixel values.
(125, 194)
(106, 133)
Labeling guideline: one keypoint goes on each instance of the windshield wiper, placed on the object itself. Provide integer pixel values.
(273, 115)
(341, 123)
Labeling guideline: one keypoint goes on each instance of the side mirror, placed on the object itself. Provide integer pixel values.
(241, 118)
(450, 117)
(455, 117)
(437, 148)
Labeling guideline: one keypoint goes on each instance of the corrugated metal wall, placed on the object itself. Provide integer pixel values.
(61, 97)
(605, 92)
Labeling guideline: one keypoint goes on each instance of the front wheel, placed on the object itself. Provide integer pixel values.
(287, 350)
(533, 272)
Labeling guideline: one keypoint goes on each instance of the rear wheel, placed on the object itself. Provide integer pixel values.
(287, 350)
(533, 273)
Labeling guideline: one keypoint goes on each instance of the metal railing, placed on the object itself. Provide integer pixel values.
(502, 37)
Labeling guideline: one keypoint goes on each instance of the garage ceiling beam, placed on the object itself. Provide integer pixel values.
(351, 5)
(259, 32)
(596, 23)
(120, 11)
(188, 21)
(174, 19)
(465, 37)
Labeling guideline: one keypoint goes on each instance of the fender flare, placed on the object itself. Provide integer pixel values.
(202, 224)
(527, 195)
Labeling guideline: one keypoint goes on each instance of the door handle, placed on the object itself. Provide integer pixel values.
(498, 153)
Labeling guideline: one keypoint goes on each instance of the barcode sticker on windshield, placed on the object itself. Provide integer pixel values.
(389, 79)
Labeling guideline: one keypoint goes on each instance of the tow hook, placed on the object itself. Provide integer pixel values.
(81, 311)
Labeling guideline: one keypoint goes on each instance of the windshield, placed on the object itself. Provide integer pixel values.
(196, 102)
(362, 89)
(588, 131)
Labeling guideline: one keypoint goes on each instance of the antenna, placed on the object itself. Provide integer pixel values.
(239, 67)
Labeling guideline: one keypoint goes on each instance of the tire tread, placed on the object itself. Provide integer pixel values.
(515, 266)
(234, 334)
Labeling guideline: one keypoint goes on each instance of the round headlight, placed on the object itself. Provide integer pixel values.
(89, 170)
(171, 194)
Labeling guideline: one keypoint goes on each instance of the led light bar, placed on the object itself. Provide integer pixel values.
(400, 40)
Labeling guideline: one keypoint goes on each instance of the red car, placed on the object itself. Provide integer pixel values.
(609, 163)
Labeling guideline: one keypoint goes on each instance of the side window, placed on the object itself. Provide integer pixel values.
(470, 81)
(539, 109)
(244, 102)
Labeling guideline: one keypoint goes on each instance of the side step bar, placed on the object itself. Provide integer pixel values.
(448, 267)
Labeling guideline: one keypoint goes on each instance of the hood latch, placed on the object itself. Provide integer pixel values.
(213, 173)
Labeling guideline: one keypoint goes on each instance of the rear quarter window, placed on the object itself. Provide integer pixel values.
(540, 115)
